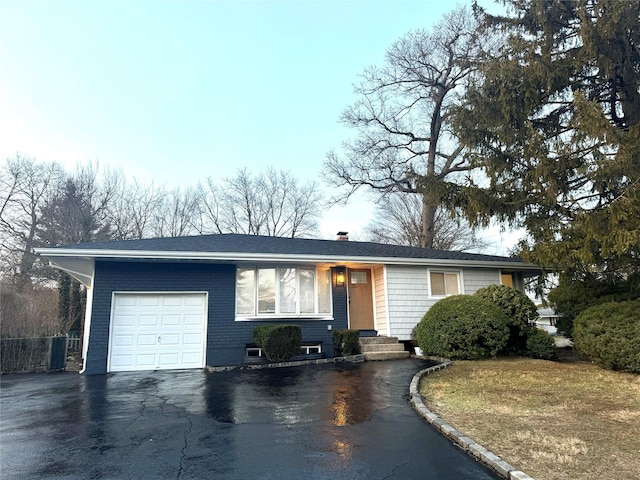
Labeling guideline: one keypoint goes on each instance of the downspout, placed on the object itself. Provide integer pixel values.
(87, 325)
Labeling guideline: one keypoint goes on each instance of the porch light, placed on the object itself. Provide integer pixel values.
(340, 278)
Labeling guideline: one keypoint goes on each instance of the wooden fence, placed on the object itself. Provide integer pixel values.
(73, 344)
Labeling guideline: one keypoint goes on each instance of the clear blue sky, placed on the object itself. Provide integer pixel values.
(177, 91)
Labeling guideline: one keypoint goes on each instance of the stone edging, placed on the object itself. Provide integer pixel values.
(257, 366)
(476, 450)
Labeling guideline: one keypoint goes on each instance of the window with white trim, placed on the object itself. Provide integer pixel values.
(444, 284)
(283, 291)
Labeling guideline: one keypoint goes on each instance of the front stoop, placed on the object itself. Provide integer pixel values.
(382, 348)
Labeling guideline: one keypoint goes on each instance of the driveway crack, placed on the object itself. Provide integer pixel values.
(183, 452)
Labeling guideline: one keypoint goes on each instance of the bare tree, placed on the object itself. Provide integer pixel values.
(25, 188)
(78, 211)
(134, 209)
(398, 218)
(404, 142)
(269, 203)
(178, 213)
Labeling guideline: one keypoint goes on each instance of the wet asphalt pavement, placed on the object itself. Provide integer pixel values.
(342, 421)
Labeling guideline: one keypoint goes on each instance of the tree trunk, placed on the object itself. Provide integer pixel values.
(428, 221)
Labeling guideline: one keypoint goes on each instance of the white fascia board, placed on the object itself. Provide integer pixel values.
(53, 253)
(82, 269)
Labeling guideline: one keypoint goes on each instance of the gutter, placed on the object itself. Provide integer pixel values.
(88, 254)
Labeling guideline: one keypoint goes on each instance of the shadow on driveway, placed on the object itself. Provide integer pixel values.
(335, 421)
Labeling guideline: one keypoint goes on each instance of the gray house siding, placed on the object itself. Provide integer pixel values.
(226, 338)
(477, 278)
(408, 293)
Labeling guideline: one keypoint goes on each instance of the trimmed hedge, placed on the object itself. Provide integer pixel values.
(463, 327)
(346, 342)
(610, 335)
(541, 345)
(520, 310)
(279, 342)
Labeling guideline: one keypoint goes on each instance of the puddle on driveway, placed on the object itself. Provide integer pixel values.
(345, 395)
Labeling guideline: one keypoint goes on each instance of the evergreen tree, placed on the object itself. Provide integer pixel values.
(554, 120)
(64, 299)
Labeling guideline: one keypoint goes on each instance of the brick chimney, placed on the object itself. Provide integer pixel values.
(343, 237)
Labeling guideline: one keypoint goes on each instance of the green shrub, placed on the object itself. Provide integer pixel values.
(346, 342)
(463, 327)
(540, 345)
(520, 311)
(577, 291)
(610, 335)
(261, 333)
(279, 342)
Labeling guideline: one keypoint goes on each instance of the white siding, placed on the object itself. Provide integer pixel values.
(380, 301)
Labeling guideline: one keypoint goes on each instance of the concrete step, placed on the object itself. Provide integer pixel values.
(382, 347)
(385, 355)
(377, 340)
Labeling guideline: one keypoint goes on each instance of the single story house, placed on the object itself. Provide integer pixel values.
(191, 302)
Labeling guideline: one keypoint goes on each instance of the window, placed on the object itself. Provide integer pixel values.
(284, 291)
(507, 279)
(444, 283)
(359, 278)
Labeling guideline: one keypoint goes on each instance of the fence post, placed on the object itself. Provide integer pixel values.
(57, 358)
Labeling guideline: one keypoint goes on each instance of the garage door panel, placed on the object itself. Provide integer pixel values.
(170, 340)
(124, 301)
(145, 360)
(145, 340)
(192, 339)
(150, 300)
(193, 319)
(194, 300)
(123, 341)
(124, 320)
(191, 359)
(169, 360)
(148, 320)
(171, 320)
(173, 301)
(157, 331)
(123, 362)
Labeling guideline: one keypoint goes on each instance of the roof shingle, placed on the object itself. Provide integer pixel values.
(236, 243)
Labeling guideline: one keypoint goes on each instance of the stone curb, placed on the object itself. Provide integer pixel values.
(481, 454)
(258, 366)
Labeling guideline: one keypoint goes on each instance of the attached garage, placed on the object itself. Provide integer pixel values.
(157, 331)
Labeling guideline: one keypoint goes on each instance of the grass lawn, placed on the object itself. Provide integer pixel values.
(552, 420)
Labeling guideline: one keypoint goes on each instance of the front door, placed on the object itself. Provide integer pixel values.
(360, 300)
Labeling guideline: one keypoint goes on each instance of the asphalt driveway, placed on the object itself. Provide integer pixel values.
(343, 421)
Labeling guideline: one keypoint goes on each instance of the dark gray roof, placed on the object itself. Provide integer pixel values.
(234, 243)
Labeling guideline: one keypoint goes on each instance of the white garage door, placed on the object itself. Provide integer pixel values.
(157, 331)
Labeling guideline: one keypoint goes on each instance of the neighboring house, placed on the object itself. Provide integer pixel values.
(547, 319)
(190, 302)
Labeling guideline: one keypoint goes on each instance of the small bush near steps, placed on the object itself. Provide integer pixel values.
(346, 342)
(279, 342)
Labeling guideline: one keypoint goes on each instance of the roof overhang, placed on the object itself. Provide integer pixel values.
(81, 262)
(80, 268)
